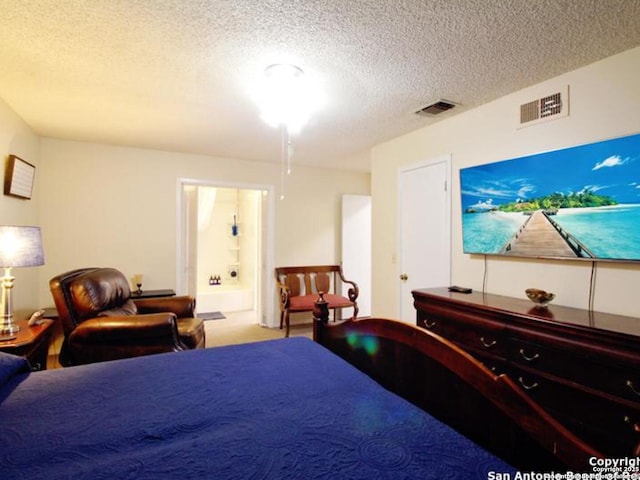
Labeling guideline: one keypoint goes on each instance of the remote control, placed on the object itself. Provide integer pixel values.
(36, 318)
(455, 288)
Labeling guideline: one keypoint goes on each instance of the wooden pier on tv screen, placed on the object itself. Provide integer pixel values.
(540, 236)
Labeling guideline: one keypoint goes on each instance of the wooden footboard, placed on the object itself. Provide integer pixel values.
(450, 384)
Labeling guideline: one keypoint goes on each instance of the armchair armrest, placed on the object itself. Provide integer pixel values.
(353, 291)
(284, 294)
(158, 328)
(183, 306)
(116, 337)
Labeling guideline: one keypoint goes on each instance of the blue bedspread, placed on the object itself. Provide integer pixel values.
(270, 410)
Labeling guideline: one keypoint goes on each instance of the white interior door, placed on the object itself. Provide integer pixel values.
(265, 259)
(188, 254)
(356, 247)
(425, 230)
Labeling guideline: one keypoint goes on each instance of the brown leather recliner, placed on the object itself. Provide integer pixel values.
(102, 322)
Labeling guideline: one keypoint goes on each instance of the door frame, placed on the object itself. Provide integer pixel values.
(265, 304)
(446, 159)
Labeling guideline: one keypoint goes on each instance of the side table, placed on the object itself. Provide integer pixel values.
(152, 293)
(31, 343)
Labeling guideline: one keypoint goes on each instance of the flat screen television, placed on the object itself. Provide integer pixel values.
(581, 202)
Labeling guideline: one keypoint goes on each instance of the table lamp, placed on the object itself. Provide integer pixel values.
(20, 246)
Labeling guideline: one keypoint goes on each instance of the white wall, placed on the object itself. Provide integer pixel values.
(215, 242)
(218, 249)
(16, 138)
(604, 103)
(249, 242)
(116, 206)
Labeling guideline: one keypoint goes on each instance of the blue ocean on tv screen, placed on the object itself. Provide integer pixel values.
(583, 202)
(617, 235)
(489, 232)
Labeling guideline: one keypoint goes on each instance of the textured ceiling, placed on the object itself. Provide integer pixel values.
(175, 74)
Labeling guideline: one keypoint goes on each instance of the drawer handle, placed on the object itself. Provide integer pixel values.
(635, 426)
(486, 344)
(429, 324)
(632, 388)
(527, 387)
(527, 358)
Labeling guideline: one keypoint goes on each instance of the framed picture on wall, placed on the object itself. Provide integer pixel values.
(18, 180)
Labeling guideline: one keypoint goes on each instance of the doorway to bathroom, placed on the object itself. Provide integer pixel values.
(226, 248)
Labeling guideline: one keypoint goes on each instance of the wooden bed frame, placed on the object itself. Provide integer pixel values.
(451, 385)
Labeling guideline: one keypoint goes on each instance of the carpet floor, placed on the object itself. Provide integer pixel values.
(241, 327)
(211, 316)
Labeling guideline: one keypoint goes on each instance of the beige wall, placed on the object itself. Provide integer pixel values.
(107, 205)
(604, 103)
(117, 206)
(18, 139)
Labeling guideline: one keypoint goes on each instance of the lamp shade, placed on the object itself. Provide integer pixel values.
(20, 246)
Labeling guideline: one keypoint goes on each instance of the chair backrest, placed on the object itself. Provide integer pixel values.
(89, 292)
(306, 280)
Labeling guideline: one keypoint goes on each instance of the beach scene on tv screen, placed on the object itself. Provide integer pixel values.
(581, 202)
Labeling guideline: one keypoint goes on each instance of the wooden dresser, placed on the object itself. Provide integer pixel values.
(582, 367)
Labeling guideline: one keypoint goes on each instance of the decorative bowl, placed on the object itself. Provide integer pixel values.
(539, 297)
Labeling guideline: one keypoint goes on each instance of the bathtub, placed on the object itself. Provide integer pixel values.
(224, 298)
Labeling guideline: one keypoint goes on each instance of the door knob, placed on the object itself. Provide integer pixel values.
(404, 277)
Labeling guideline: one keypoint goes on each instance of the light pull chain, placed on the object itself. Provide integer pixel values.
(282, 160)
(289, 151)
(285, 157)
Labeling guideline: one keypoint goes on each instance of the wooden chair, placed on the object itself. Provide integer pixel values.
(298, 289)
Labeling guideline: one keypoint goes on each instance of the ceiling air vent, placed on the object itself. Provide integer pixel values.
(545, 108)
(436, 108)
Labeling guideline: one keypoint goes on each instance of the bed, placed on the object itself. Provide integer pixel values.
(288, 408)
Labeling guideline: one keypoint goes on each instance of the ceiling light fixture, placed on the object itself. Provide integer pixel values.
(287, 99)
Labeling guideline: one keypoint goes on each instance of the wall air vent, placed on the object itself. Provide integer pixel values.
(548, 107)
(436, 108)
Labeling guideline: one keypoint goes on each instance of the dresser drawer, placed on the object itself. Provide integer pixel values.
(477, 334)
(496, 364)
(580, 363)
(607, 424)
(482, 338)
